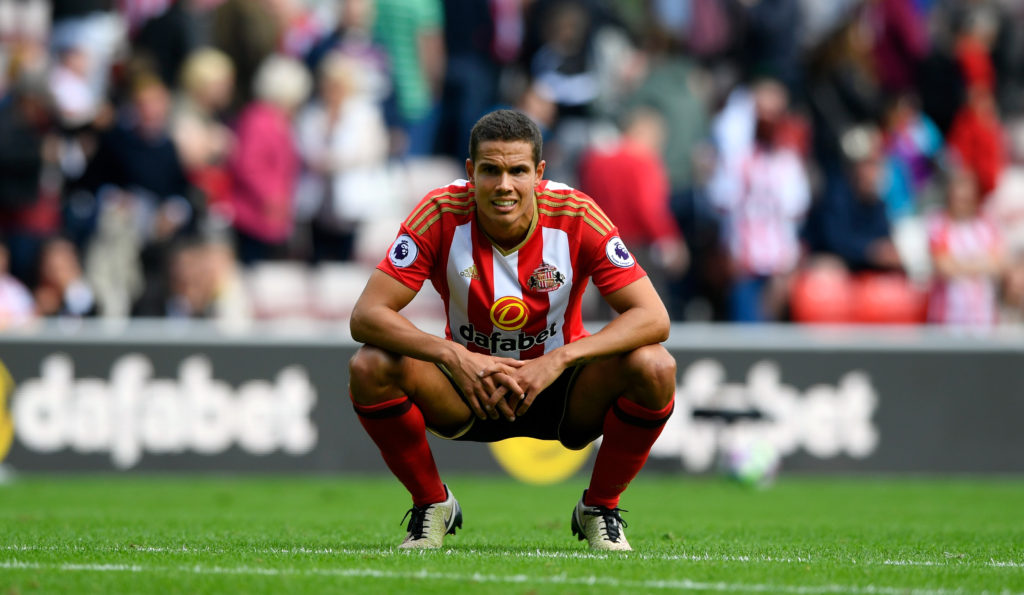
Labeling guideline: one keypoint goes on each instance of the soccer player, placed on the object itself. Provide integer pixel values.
(511, 253)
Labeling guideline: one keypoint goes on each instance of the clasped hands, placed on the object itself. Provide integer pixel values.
(504, 387)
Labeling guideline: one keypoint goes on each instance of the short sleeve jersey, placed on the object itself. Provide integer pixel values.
(964, 299)
(520, 303)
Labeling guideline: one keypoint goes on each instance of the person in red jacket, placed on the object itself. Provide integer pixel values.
(977, 133)
(629, 180)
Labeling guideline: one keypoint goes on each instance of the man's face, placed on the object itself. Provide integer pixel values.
(153, 105)
(505, 177)
(868, 178)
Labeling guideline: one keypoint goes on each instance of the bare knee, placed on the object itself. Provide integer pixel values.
(652, 373)
(373, 375)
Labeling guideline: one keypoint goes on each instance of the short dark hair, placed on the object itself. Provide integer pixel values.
(508, 125)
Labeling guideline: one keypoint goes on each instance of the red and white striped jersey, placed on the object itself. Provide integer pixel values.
(763, 198)
(965, 299)
(519, 303)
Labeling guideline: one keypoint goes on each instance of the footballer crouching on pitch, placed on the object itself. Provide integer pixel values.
(511, 253)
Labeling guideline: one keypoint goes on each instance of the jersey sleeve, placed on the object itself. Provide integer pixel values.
(409, 259)
(610, 263)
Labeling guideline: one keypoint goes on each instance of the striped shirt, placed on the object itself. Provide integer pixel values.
(964, 299)
(763, 197)
(519, 303)
(398, 27)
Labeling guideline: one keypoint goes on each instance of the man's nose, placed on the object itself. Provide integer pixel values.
(505, 181)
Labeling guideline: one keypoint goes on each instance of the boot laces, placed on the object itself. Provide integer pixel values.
(417, 516)
(612, 520)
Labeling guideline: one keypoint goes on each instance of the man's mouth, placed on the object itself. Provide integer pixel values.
(504, 204)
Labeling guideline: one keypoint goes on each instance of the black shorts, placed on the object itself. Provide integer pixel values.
(542, 420)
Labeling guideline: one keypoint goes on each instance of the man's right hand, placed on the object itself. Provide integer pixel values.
(484, 381)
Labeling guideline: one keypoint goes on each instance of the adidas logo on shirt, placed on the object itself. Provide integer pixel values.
(470, 272)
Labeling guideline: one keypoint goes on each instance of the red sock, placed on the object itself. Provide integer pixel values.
(629, 433)
(398, 429)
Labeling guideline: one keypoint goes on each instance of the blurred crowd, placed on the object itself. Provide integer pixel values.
(766, 160)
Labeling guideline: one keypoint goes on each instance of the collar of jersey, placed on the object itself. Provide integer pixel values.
(526, 238)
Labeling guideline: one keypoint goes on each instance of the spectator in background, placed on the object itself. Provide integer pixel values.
(16, 304)
(230, 304)
(967, 250)
(850, 221)
(899, 41)
(75, 101)
(564, 63)
(629, 181)
(343, 141)
(769, 43)
(202, 140)
(1006, 205)
(762, 191)
(94, 26)
(265, 164)
(471, 72)
(138, 156)
(588, 67)
(843, 89)
(1002, 44)
(1011, 302)
(702, 293)
(352, 36)
(61, 289)
(166, 38)
(856, 273)
(412, 33)
(248, 31)
(29, 178)
(140, 184)
(187, 288)
(976, 133)
(940, 83)
(140, 194)
(912, 143)
(201, 281)
(674, 87)
(299, 29)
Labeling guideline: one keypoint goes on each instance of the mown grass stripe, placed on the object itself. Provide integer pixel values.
(582, 555)
(682, 584)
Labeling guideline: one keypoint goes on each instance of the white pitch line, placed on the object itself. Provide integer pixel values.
(582, 555)
(518, 579)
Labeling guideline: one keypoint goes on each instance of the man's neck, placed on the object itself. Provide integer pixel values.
(509, 240)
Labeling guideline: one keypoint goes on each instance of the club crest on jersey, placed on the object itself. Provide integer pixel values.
(509, 313)
(403, 252)
(545, 278)
(616, 251)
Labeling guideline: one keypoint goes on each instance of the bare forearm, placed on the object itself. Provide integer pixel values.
(634, 328)
(382, 327)
(949, 268)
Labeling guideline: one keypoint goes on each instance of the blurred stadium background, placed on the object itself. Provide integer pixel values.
(235, 168)
(828, 196)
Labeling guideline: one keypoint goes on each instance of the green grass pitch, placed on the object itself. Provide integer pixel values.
(301, 534)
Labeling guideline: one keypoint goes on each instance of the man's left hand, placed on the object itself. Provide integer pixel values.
(533, 376)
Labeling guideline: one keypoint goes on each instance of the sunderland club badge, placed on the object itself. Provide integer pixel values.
(545, 278)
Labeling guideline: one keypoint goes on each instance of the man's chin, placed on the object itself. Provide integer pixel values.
(503, 216)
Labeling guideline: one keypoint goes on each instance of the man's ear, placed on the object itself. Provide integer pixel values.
(540, 169)
(469, 170)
